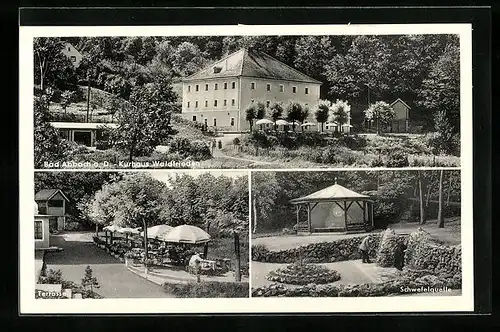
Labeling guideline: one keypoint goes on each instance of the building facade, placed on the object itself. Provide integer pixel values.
(83, 133)
(42, 233)
(73, 54)
(219, 94)
(401, 121)
(52, 203)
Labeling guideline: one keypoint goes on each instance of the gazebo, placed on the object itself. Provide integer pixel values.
(333, 209)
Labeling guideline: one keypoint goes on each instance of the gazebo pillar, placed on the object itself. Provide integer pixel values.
(309, 217)
(371, 214)
(345, 215)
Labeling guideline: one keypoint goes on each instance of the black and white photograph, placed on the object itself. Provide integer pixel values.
(141, 235)
(246, 169)
(356, 233)
(300, 101)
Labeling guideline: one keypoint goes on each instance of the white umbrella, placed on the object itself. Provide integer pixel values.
(187, 234)
(306, 124)
(282, 123)
(128, 230)
(332, 124)
(157, 231)
(112, 228)
(347, 125)
(263, 121)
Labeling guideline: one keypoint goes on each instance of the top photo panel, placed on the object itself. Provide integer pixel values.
(250, 101)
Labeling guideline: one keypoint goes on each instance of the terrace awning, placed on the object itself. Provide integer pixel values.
(158, 231)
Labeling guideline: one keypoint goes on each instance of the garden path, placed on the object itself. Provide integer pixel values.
(115, 279)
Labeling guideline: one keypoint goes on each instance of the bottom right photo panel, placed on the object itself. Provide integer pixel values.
(356, 233)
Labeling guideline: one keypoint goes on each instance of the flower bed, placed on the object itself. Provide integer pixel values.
(208, 289)
(303, 274)
(404, 284)
(323, 252)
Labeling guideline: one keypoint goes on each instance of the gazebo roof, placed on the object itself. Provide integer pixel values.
(332, 193)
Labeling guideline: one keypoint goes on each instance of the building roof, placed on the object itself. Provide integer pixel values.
(82, 125)
(332, 193)
(401, 101)
(251, 63)
(47, 194)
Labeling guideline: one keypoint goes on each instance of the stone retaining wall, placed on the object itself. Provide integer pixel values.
(322, 252)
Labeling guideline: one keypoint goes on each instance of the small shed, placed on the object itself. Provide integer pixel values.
(83, 133)
(333, 209)
(52, 202)
(400, 123)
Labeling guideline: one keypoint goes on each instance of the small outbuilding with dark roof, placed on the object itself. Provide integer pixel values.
(332, 209)
(52, 202)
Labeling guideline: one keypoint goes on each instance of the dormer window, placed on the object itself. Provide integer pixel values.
(217, 69)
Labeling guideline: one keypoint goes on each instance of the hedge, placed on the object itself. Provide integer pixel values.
(425, 253)
(323, 252)
(407, 281)
(207, 289)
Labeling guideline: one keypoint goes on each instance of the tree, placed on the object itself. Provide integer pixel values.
(322, 112)
(444, 140)
(264, 189)
(146, 122)
(250, 115)
(48, 145)
(66, 99)
(294, 113)
(260, 110)
(381, 113)
(423, 214)
(49, 60)
(304, 113)
(441, 201)
(187, 59)
(441, 89)
(89, 281)
(276, 112)
(138, 200)
(341, 111)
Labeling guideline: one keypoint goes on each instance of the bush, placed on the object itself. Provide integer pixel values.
(200, 151)
(353, 142)
(303, 274)
(236, 141)
(208, 289)
(72, 226)
(397, 159)
(259, 253)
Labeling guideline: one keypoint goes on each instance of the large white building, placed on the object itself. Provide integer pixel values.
(219, 94)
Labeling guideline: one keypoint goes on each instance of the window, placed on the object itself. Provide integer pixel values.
(194, 118)
(206, 103)
(189, 88)
(306, 91)
(232, 122)
(215, 103)
(233, 85)
(294, 89)
(282, 88)
(232, 102)
(188, 104)
(268, 103)
(252, 86)
(38, 230)
(225, 85)
(69, 49)
(206, 87)
(73, 58)
(268, 87)
(225, 102)
(216, 86)
(197, 88)
(215, 122)
(196, 104)
(206, 122)
(55, 203)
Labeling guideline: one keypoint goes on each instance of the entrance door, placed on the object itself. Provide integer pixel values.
(83, 137)
(52, 224)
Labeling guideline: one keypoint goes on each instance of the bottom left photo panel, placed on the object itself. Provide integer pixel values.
(141, 234)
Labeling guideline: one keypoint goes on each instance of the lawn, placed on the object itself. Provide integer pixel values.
(274, 241)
